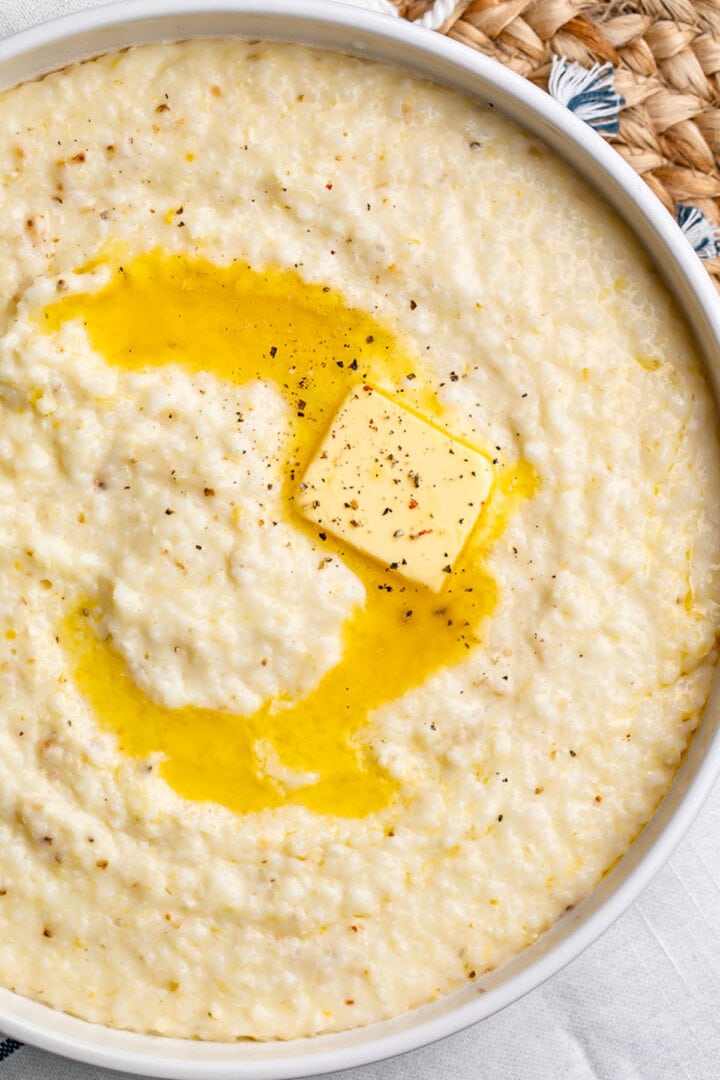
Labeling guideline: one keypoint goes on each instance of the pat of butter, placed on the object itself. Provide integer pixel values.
(396, 487)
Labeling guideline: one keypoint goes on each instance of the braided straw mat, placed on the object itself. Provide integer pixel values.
(666, 55)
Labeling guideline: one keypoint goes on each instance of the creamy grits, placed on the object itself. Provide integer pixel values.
(253, 782)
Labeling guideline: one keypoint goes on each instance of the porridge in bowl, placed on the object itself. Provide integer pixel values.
(263, 771)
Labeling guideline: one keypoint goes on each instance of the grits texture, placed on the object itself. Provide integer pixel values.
(529, 768)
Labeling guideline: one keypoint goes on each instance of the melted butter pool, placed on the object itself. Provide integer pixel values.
(242, 324)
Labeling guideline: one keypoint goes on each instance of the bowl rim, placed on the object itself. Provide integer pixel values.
(328, 23)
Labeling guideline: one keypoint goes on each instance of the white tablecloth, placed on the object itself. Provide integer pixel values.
(643, 1003)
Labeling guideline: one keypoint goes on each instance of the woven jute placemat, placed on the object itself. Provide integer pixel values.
(666, 60)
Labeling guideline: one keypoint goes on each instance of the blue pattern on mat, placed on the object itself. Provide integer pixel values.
(588, 92)
(699, 230)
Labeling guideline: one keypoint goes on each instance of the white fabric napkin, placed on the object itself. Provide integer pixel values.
(643, 1003)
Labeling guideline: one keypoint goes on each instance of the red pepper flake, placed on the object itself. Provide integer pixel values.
(413, 503)
(329, 187)
(423, 532)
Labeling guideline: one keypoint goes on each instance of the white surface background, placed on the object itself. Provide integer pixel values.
(643, 1003)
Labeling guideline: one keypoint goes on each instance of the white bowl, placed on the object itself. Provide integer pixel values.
(349, 29)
